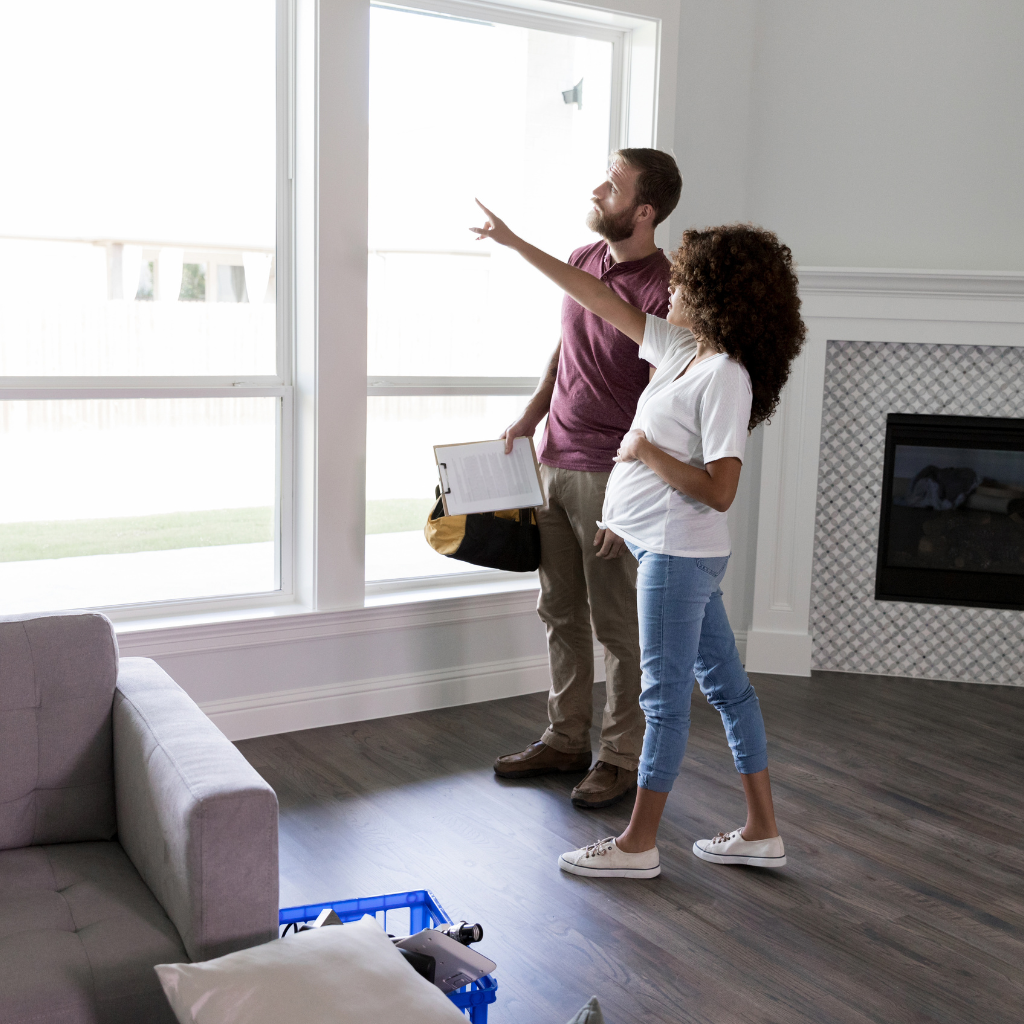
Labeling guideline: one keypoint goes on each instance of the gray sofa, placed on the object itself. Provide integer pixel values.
(132, 832)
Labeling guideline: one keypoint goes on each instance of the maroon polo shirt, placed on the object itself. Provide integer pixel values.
(600, 373)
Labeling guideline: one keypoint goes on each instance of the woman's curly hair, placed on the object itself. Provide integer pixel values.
(740, 291)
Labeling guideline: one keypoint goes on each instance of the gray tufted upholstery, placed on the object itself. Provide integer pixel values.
(79, 935)
(91, 899)
(57, 679)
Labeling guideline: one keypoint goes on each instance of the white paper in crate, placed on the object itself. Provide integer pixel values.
(351, 974)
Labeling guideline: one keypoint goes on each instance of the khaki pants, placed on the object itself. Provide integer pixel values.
(577, 589)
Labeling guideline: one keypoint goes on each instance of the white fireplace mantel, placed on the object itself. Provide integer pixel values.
(848, 304)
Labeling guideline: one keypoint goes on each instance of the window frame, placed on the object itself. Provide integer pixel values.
(633, 121)
(322, 255)
(278, 385)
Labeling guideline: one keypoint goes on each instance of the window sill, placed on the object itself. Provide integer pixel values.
(401, 607)
(440, 588)
(171, 620)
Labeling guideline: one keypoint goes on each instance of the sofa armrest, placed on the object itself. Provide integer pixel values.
(196, 819)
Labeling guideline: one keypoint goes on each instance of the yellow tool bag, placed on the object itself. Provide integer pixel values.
(508, 540)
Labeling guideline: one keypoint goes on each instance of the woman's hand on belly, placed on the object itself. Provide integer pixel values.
(714, 485)
(629, 449)
(608, 544)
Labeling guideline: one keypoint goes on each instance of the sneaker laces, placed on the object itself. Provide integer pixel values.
(724, 837)
(598, 849)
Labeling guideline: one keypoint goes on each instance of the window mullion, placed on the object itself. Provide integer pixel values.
(386, 387)
(193, 390)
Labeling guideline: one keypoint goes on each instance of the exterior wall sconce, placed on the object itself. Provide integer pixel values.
(574, 95)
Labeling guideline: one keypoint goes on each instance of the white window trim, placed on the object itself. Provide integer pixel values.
(323, 104)
(554, 20)
(129, 388)
(277, 385)
(639, 33)
(635, 30)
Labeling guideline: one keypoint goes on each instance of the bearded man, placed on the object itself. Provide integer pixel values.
(589, 394)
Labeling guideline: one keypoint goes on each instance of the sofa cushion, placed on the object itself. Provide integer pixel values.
(57, 678)
(345, 974)
(79, 936)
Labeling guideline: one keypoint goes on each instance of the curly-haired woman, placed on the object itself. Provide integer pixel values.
(722, 357)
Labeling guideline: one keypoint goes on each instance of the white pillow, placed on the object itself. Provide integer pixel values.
(347, 974)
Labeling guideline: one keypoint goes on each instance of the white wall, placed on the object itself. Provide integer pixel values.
(713, 109)
(297, 671)
(738, 585)
(889, 134)
(883, 133)
(713, 99)
(871, 134)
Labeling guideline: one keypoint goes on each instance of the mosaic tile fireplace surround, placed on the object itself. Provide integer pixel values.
(851, 631)
(879, 342)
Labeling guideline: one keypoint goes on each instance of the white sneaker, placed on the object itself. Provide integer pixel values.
(604, 859)
(732, 848)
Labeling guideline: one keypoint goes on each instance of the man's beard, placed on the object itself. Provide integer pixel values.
(611, 229)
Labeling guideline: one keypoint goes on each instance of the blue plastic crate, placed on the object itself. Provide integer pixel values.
(424, 912)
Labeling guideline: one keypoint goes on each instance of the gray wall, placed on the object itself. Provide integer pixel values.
(713, 108)
(881, 133)
(888, 134)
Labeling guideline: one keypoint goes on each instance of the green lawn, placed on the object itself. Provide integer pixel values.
(20, 542)
(396, 515)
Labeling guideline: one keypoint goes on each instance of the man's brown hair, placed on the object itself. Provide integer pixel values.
(659, 182)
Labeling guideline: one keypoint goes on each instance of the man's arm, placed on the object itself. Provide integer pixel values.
(586, 289)
(538, 405)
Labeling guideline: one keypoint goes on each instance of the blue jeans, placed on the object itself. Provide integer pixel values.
(684, 632)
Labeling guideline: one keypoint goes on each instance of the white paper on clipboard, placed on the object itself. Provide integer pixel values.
(480, 477)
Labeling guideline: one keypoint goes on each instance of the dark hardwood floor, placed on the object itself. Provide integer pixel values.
(899, 802)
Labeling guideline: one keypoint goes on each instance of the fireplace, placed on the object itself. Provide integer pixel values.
(951, 529)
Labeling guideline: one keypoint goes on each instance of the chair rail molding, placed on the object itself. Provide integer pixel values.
(848, 304)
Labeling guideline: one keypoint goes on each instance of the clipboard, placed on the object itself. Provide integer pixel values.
(477, 476)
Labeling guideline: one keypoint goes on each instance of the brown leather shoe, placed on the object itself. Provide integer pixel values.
(604, 784)
(539, 759)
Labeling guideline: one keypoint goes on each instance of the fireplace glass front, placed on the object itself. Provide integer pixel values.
(951, 529)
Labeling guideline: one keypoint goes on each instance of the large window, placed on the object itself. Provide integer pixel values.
(182, 277)
(468, 101)
(144, 388)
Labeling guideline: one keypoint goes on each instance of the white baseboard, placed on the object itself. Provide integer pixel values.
(785, 654)
(265, 714)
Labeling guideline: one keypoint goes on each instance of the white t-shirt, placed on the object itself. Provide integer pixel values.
(697, 418)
